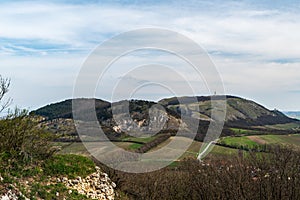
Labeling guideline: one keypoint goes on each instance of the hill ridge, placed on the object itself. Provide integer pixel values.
(240, 111)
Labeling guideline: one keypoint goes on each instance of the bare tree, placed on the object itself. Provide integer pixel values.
(4, 85)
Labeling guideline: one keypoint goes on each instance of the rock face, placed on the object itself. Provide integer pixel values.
(9, 196)
(95, 186)
(12, 194)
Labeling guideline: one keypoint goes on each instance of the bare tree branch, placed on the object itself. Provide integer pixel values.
(4, 85)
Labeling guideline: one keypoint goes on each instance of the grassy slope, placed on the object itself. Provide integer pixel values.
(287, 126)
(240, 131)
(282, 139)
(36, 180)
(255, 140)
(238, 141)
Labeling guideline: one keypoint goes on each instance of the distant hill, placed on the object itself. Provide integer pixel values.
(57, 117)
(64, 109)
(241, 113)
(293, 114)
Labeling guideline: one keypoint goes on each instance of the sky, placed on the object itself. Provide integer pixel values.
(253, 44)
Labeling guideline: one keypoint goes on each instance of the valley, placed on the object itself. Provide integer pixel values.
(257, 148)
(248, 125)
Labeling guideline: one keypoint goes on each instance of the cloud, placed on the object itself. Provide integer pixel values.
(237, 29)
(251, 42)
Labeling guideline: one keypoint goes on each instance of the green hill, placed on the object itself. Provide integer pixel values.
(241, 113)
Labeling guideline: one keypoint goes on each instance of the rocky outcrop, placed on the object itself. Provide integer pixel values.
(140, 118)
(10, 195)
(95, 186)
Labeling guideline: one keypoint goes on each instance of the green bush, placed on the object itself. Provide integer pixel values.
(22, 138)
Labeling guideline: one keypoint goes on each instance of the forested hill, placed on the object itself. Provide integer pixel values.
(240, 112)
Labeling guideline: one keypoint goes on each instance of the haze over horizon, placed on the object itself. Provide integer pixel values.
(254, 45)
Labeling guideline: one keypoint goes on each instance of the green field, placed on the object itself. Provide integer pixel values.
(240, 131)
(139, 139)
(238, 142)
(78, 147)
(288, 126)
(194, 149)
(231, 145)
(282, 139)
(254, 141)
(135, 146)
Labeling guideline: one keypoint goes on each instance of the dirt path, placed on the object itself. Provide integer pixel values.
(257, 139)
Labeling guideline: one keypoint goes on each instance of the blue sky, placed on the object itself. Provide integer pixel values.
(254, 44)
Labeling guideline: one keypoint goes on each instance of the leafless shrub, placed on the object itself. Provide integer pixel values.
(272, 175)
(4, 85)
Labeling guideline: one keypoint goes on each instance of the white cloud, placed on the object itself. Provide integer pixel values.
(246, 40)
(262, 32)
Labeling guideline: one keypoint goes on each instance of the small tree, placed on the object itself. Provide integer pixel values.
(20, 134)
(22, 137)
